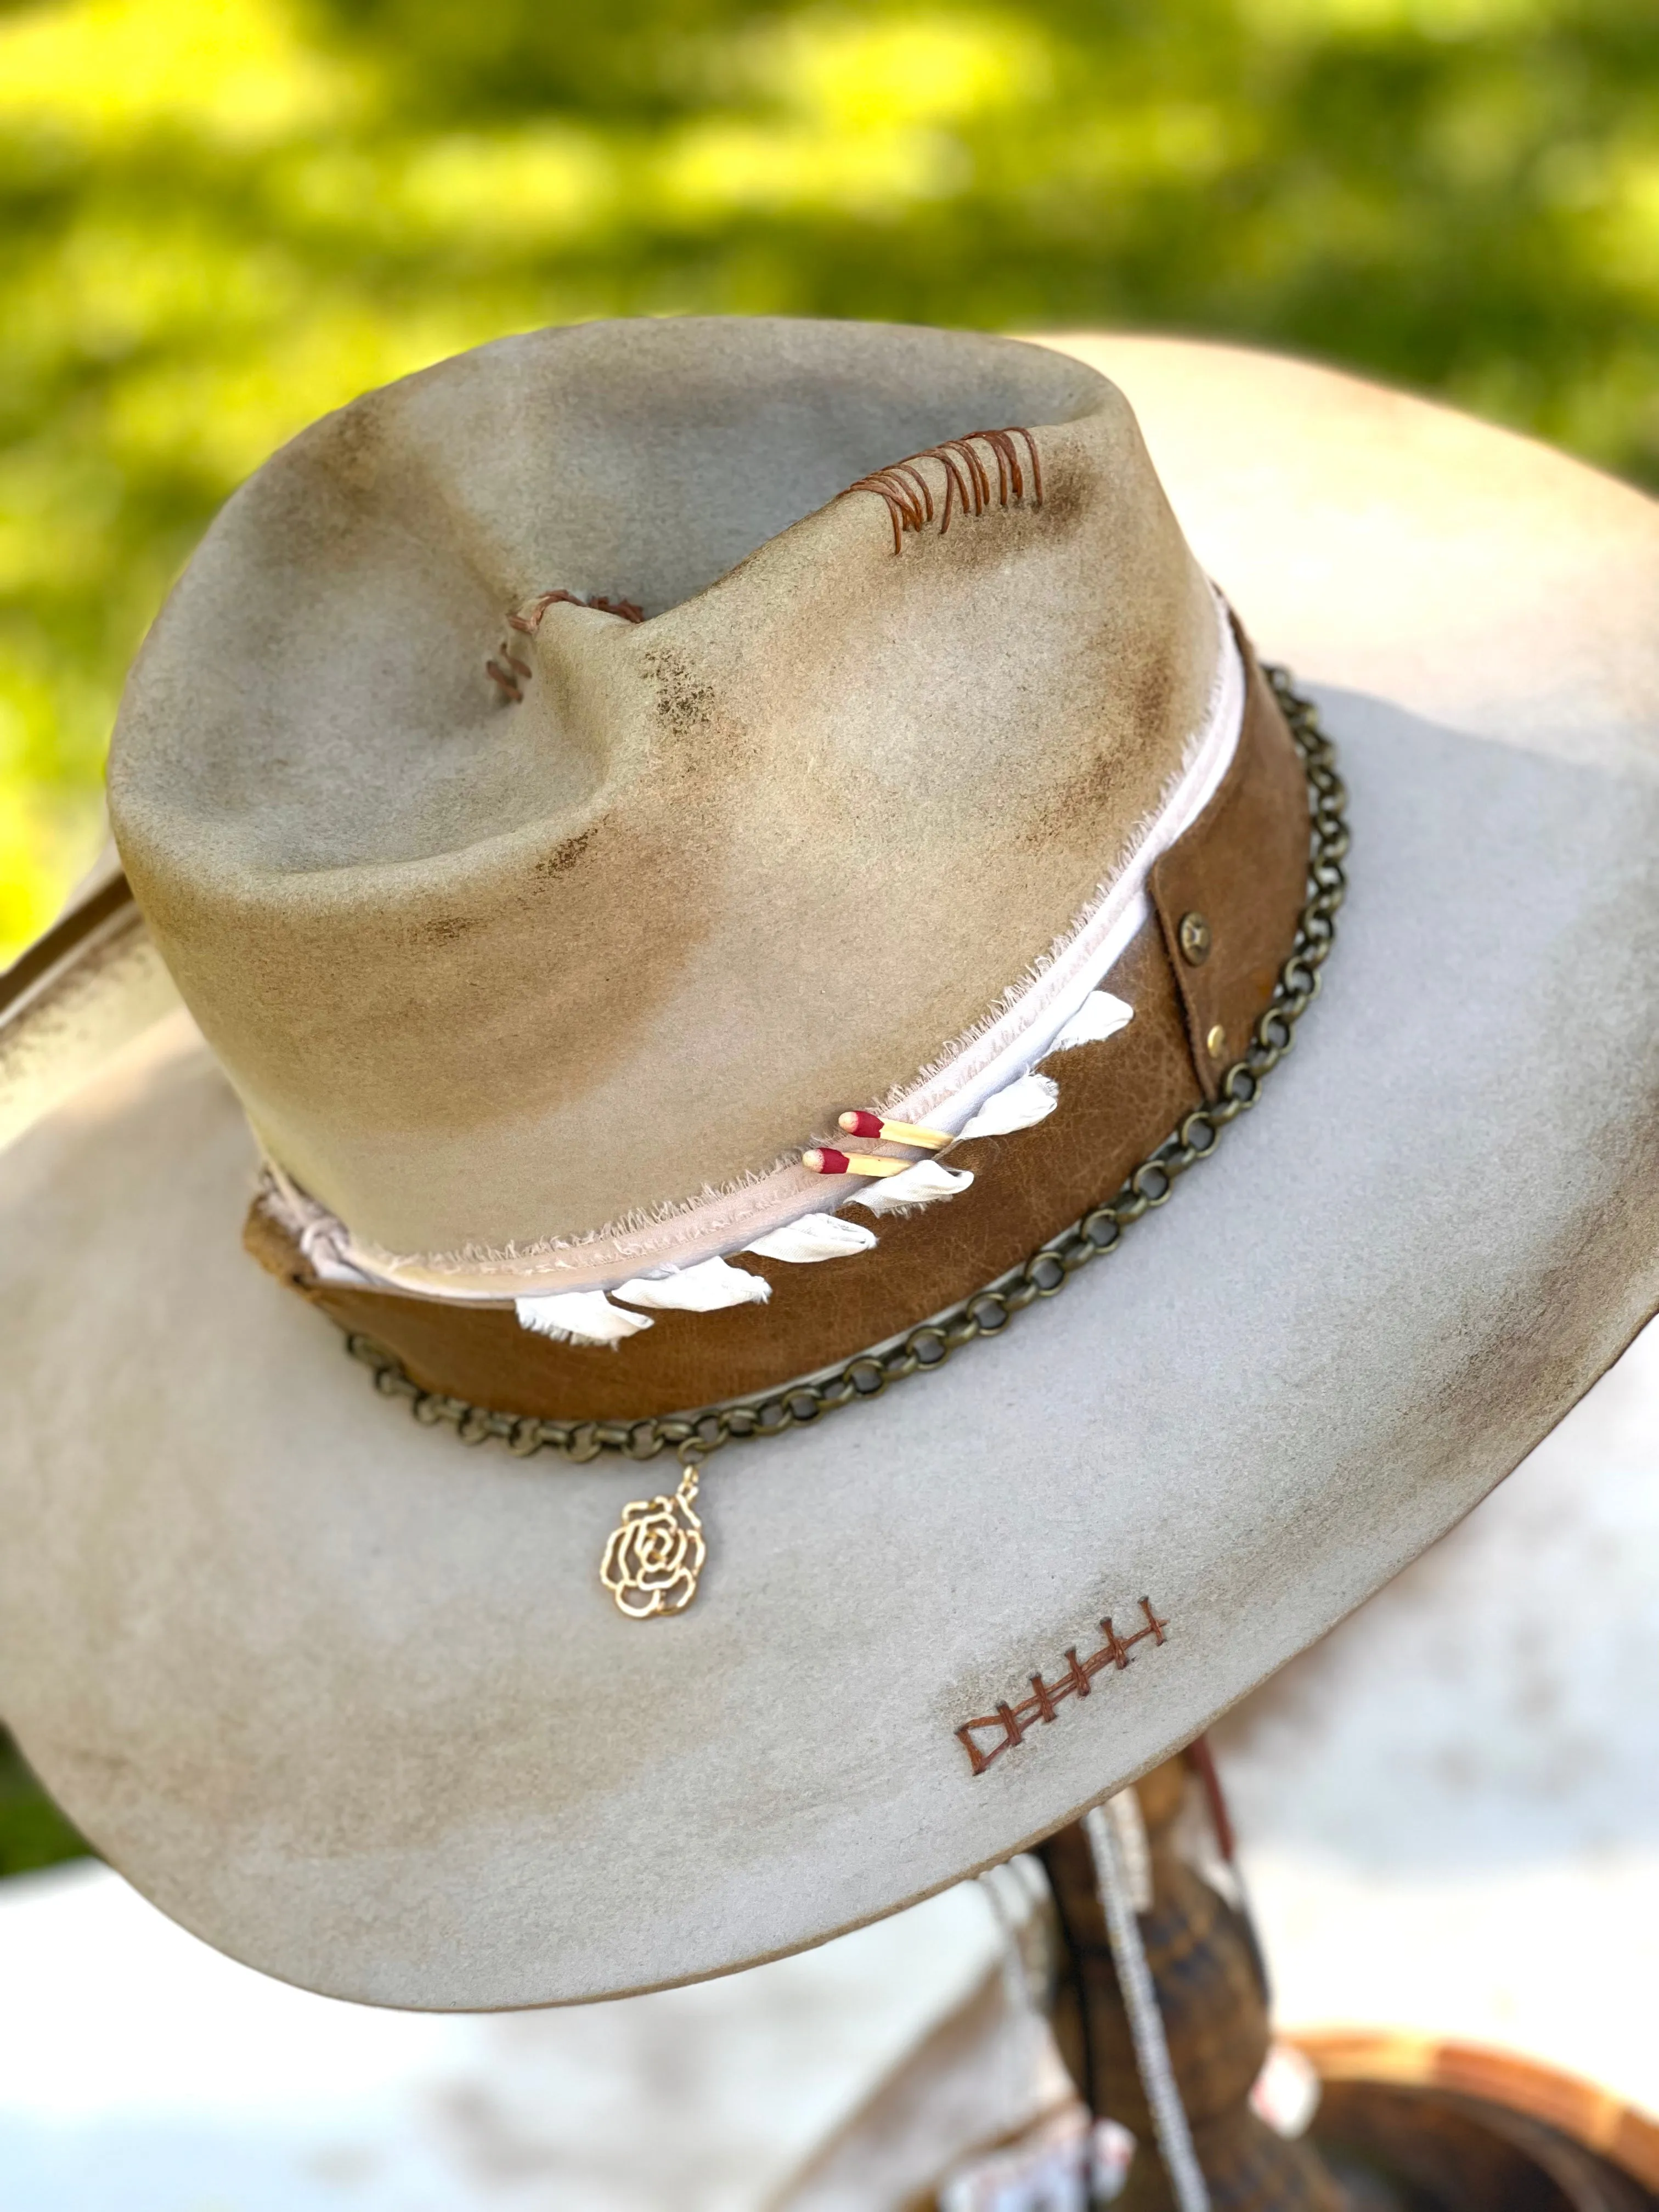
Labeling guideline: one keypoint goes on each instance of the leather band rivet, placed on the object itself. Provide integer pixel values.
(1196, 939)
(1217, 1042)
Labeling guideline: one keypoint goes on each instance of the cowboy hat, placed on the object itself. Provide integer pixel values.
(876, 820)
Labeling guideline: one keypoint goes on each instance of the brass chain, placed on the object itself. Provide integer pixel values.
(692, 1437)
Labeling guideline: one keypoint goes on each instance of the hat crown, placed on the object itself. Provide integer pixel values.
(492, 970)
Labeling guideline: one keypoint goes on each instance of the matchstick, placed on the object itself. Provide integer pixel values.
(826, 1160)
(860, 1124)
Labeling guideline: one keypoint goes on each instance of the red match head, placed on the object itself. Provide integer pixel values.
(857, 1123)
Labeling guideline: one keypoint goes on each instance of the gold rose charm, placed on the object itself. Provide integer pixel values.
(656, 1553)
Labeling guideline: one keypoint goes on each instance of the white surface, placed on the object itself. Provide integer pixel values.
(1449, 1808)
(142, 2072)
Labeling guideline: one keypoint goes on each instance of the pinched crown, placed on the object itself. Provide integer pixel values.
(555, 801)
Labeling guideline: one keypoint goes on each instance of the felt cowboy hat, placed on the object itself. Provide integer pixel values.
(691, 850)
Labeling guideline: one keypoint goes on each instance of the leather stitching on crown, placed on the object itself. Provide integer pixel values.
(509, 673)
(909, 497)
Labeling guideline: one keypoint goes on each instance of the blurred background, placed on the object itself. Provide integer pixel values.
(219, 218)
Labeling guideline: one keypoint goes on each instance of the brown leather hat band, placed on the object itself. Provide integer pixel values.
(1226, 899)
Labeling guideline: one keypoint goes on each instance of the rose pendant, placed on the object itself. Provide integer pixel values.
(656, 1553)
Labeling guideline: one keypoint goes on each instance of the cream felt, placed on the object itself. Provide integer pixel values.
(347, 1699)
(493, 978)
(79, 1012)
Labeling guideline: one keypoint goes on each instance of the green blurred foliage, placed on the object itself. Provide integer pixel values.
(33, 1833)
(220, 217)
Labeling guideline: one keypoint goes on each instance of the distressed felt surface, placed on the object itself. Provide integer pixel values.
(488, 976)
(347, 1699)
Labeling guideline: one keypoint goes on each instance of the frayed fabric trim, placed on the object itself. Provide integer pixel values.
(1039, 1014)
(709, 1285)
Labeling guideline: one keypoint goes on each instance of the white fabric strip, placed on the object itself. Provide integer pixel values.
(706, 1288)
(1100, 1015)
(815, 1236)
(1025, 1101)
(579, 1317)
(925, 1184)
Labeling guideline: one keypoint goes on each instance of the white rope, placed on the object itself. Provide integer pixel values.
(1135, 1847)
(1017, 1907)
(1175, 2137)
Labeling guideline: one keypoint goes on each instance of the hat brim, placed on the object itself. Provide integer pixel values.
(348, 1700)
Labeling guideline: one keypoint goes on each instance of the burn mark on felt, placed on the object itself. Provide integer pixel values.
(683, 703)
(564, 855)
(444, 928)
